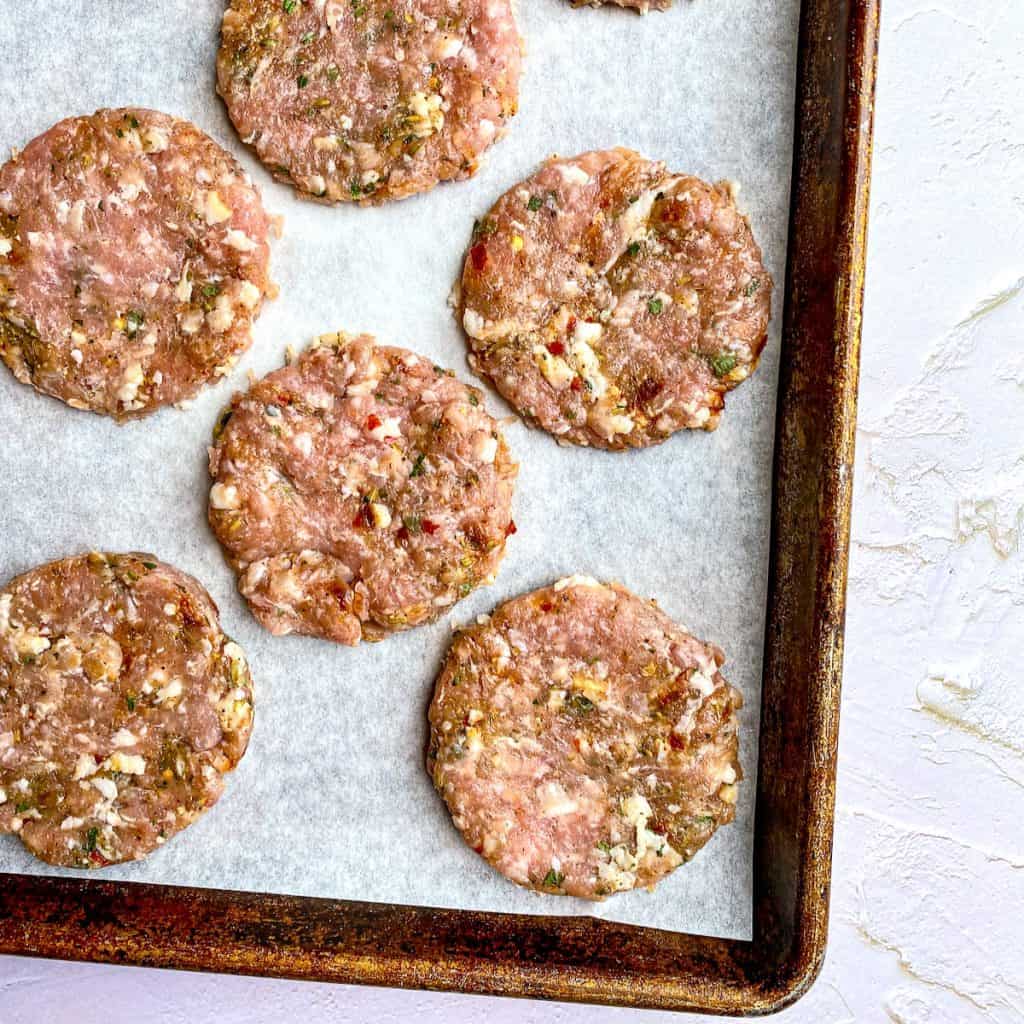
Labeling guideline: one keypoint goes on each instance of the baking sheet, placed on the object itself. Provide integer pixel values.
(332, 799)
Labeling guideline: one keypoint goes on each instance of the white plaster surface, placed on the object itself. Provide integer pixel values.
(927, 922)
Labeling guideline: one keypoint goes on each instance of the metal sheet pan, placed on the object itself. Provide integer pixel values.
(585, 958)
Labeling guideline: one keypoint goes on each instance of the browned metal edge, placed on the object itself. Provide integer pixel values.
(582, 959)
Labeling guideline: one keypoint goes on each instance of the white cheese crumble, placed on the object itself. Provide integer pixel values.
(130, 383)
(215, 209)
(427, 116)
(575, 581)
(572, 174)
(168, 692)
(473, 322)
(389, 429)
(381, 515)
(248, 294)
(127, 764)
(556, 370)
(486, 448)
(224, 496)
(239, 240)
(107, 788)
(85, 766)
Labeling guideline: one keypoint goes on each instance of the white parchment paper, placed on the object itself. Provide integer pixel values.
(332, 798)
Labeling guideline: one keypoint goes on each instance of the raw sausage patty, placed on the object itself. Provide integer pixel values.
(133, 260)
(359, 491)
(367, 101)
(613, 303)
(121, 706)
(584, 743)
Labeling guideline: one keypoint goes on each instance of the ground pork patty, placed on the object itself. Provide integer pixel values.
(372, 100)
(133, 259)
(359, 491)
(121, 706)
(584, 743)
(613, 303)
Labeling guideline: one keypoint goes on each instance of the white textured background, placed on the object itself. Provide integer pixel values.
(927, 923)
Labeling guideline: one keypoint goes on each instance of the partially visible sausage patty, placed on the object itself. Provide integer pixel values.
(359, 491)
(367, 101)
(584, 743)
(122, 704)
(133, 260)
(613, 303)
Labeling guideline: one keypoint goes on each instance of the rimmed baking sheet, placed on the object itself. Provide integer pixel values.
(332, 798)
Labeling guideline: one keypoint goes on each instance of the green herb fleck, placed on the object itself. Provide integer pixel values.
(723, 363)
(554, 879)
(131, 701)
(474, 399)
(633, 248)
(581, 704)
(484, 229)
(302, 81)
(90, 839)
(289, 6)
(22, 806)
(534, 204)
(149, 565)
(133, 320)
(413, 524)
(752, 287)
(417, 466)
(604, 846)
(655, 306)
(211, 289)
(307, 38)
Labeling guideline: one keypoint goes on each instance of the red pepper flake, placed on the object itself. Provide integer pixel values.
(577, 384)
(556, 348)
(546, 606)
(571, 325)
(478, 256)
(402, 534)
(676, 742)
(428, 526)
(364, 517)
(372, 422)
(97, 858)
(511, 528)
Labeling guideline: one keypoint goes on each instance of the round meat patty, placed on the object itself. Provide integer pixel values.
(122, 704)
(133, 260)
(359, 491)
(613, 303)
(584, 743)
(367, 101)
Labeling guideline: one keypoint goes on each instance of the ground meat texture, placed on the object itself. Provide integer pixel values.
(359, 491)
(368, 101)
(122, 704)
(584, 743)
(613, 303)
(133, 260)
